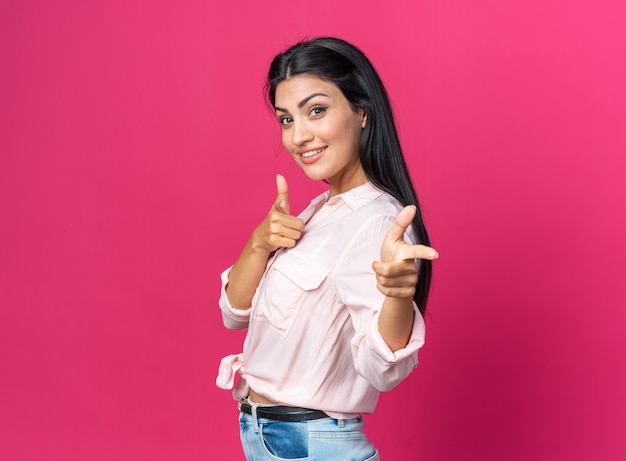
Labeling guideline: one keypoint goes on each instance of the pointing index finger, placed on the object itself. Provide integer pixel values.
(418, 252)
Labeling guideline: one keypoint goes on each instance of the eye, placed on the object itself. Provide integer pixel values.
(284, 121)
(317, 111)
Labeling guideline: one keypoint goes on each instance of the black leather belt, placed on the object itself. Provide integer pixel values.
(283, 413)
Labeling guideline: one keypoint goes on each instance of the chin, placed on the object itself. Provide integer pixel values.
(316, 176)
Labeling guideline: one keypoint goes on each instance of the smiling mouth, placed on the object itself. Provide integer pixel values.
(312, 153)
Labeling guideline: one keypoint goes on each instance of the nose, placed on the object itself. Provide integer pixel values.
(300, 133)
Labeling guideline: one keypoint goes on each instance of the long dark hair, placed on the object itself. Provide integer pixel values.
(337, 61)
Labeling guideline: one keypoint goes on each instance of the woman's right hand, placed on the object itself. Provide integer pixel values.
(279, 229)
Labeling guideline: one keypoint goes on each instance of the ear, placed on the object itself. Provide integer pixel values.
(363, 117)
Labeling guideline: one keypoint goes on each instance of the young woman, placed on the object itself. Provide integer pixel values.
(331, 298)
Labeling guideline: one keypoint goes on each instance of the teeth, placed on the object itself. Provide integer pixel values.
(312, 153)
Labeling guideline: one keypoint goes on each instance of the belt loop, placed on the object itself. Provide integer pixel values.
(255, 419)
(341, 423)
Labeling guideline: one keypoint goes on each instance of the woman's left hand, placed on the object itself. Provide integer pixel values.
(396, 272)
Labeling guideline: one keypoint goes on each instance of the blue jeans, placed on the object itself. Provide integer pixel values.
(324, 439)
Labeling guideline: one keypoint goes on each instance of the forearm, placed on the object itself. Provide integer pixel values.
(395, 322)
(245, 275)
(386, 357)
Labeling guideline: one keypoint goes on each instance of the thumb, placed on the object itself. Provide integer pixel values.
(403, 221)
(282, 198)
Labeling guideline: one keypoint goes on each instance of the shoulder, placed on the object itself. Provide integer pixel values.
(386, 204)
(371, 200)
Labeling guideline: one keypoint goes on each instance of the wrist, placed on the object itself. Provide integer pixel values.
(399, 302)
(258, 246)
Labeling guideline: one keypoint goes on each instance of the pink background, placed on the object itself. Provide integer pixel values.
(136, 155)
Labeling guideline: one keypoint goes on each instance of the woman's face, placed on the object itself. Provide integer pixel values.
(321, 130)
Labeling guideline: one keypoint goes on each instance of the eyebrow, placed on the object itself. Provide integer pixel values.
(303, 102)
